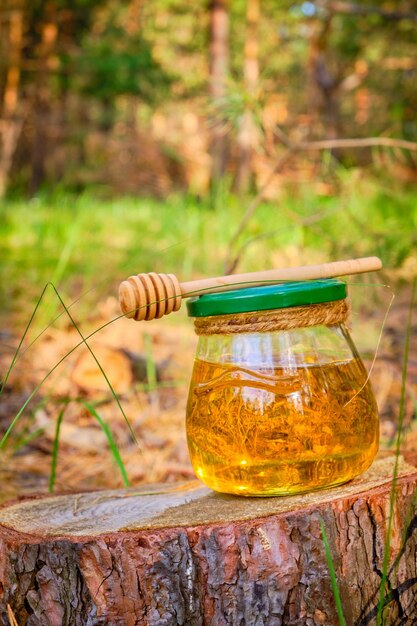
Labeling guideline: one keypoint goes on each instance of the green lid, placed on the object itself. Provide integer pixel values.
(267, 297)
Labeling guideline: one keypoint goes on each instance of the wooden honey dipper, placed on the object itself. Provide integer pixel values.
(150, 296)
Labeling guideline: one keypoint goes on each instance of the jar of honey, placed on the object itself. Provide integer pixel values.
(280, 401)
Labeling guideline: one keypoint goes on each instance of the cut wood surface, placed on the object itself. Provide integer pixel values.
(180, 554)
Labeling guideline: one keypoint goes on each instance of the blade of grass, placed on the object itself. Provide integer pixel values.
(17, 356)
(112, 444)
(114, 394)
(55, 447)
(83, 341)
(5, 379)
(333, 578)
(151, 373)
(51, 371)
(407, 525)
(384, 577)
(62, 262)
(381, 332)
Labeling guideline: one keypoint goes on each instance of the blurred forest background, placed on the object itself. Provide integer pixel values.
(152, 97)
(203, 138)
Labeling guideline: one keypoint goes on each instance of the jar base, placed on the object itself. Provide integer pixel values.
(276, 493)
(286, 479)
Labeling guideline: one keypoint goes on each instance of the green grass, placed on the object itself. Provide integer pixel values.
(55, 448)
(333, 578)
(151, 371)
(84, 341)
(112, 444)
(106, 430)
(85, 245)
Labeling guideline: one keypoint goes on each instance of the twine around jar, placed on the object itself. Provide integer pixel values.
(322, 314)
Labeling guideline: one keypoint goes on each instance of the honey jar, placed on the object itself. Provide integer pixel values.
(280, 401)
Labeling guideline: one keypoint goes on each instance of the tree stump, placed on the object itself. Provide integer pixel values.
(179, 554)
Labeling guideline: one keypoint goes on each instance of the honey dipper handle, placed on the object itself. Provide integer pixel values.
(306, 272)
(150, 296)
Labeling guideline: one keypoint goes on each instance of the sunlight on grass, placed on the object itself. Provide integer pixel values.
(81, 242)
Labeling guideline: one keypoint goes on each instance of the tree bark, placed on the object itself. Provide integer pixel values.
(219, 70)
(182, 555)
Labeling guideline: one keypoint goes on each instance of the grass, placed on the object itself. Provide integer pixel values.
(333, 579)
(54, 456)
(81, 243)
(37, 387)
(112, 444)
(151, 371)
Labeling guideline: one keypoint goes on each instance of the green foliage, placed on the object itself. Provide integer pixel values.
(113, 64)
(105, 66)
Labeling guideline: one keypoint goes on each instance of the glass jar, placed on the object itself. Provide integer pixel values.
(280, 401)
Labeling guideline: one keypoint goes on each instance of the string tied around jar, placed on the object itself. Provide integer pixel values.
(321, 314)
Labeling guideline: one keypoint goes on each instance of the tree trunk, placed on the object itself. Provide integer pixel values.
(219, 69)
(42, 98)
(11, 122)
(134, 17)
(247, 136)
(322, 84)
(182, 555)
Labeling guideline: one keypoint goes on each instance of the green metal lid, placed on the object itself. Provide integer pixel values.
(267, 297)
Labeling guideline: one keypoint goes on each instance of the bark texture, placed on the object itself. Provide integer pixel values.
(183, 555)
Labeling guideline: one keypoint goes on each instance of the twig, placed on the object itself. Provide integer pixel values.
(310, 220)
(353, 8)
(304, 146)
(255, 203)
(362, 142)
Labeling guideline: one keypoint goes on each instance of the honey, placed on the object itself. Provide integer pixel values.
(256, 430)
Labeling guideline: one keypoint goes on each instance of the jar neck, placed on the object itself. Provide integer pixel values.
(322, 314)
